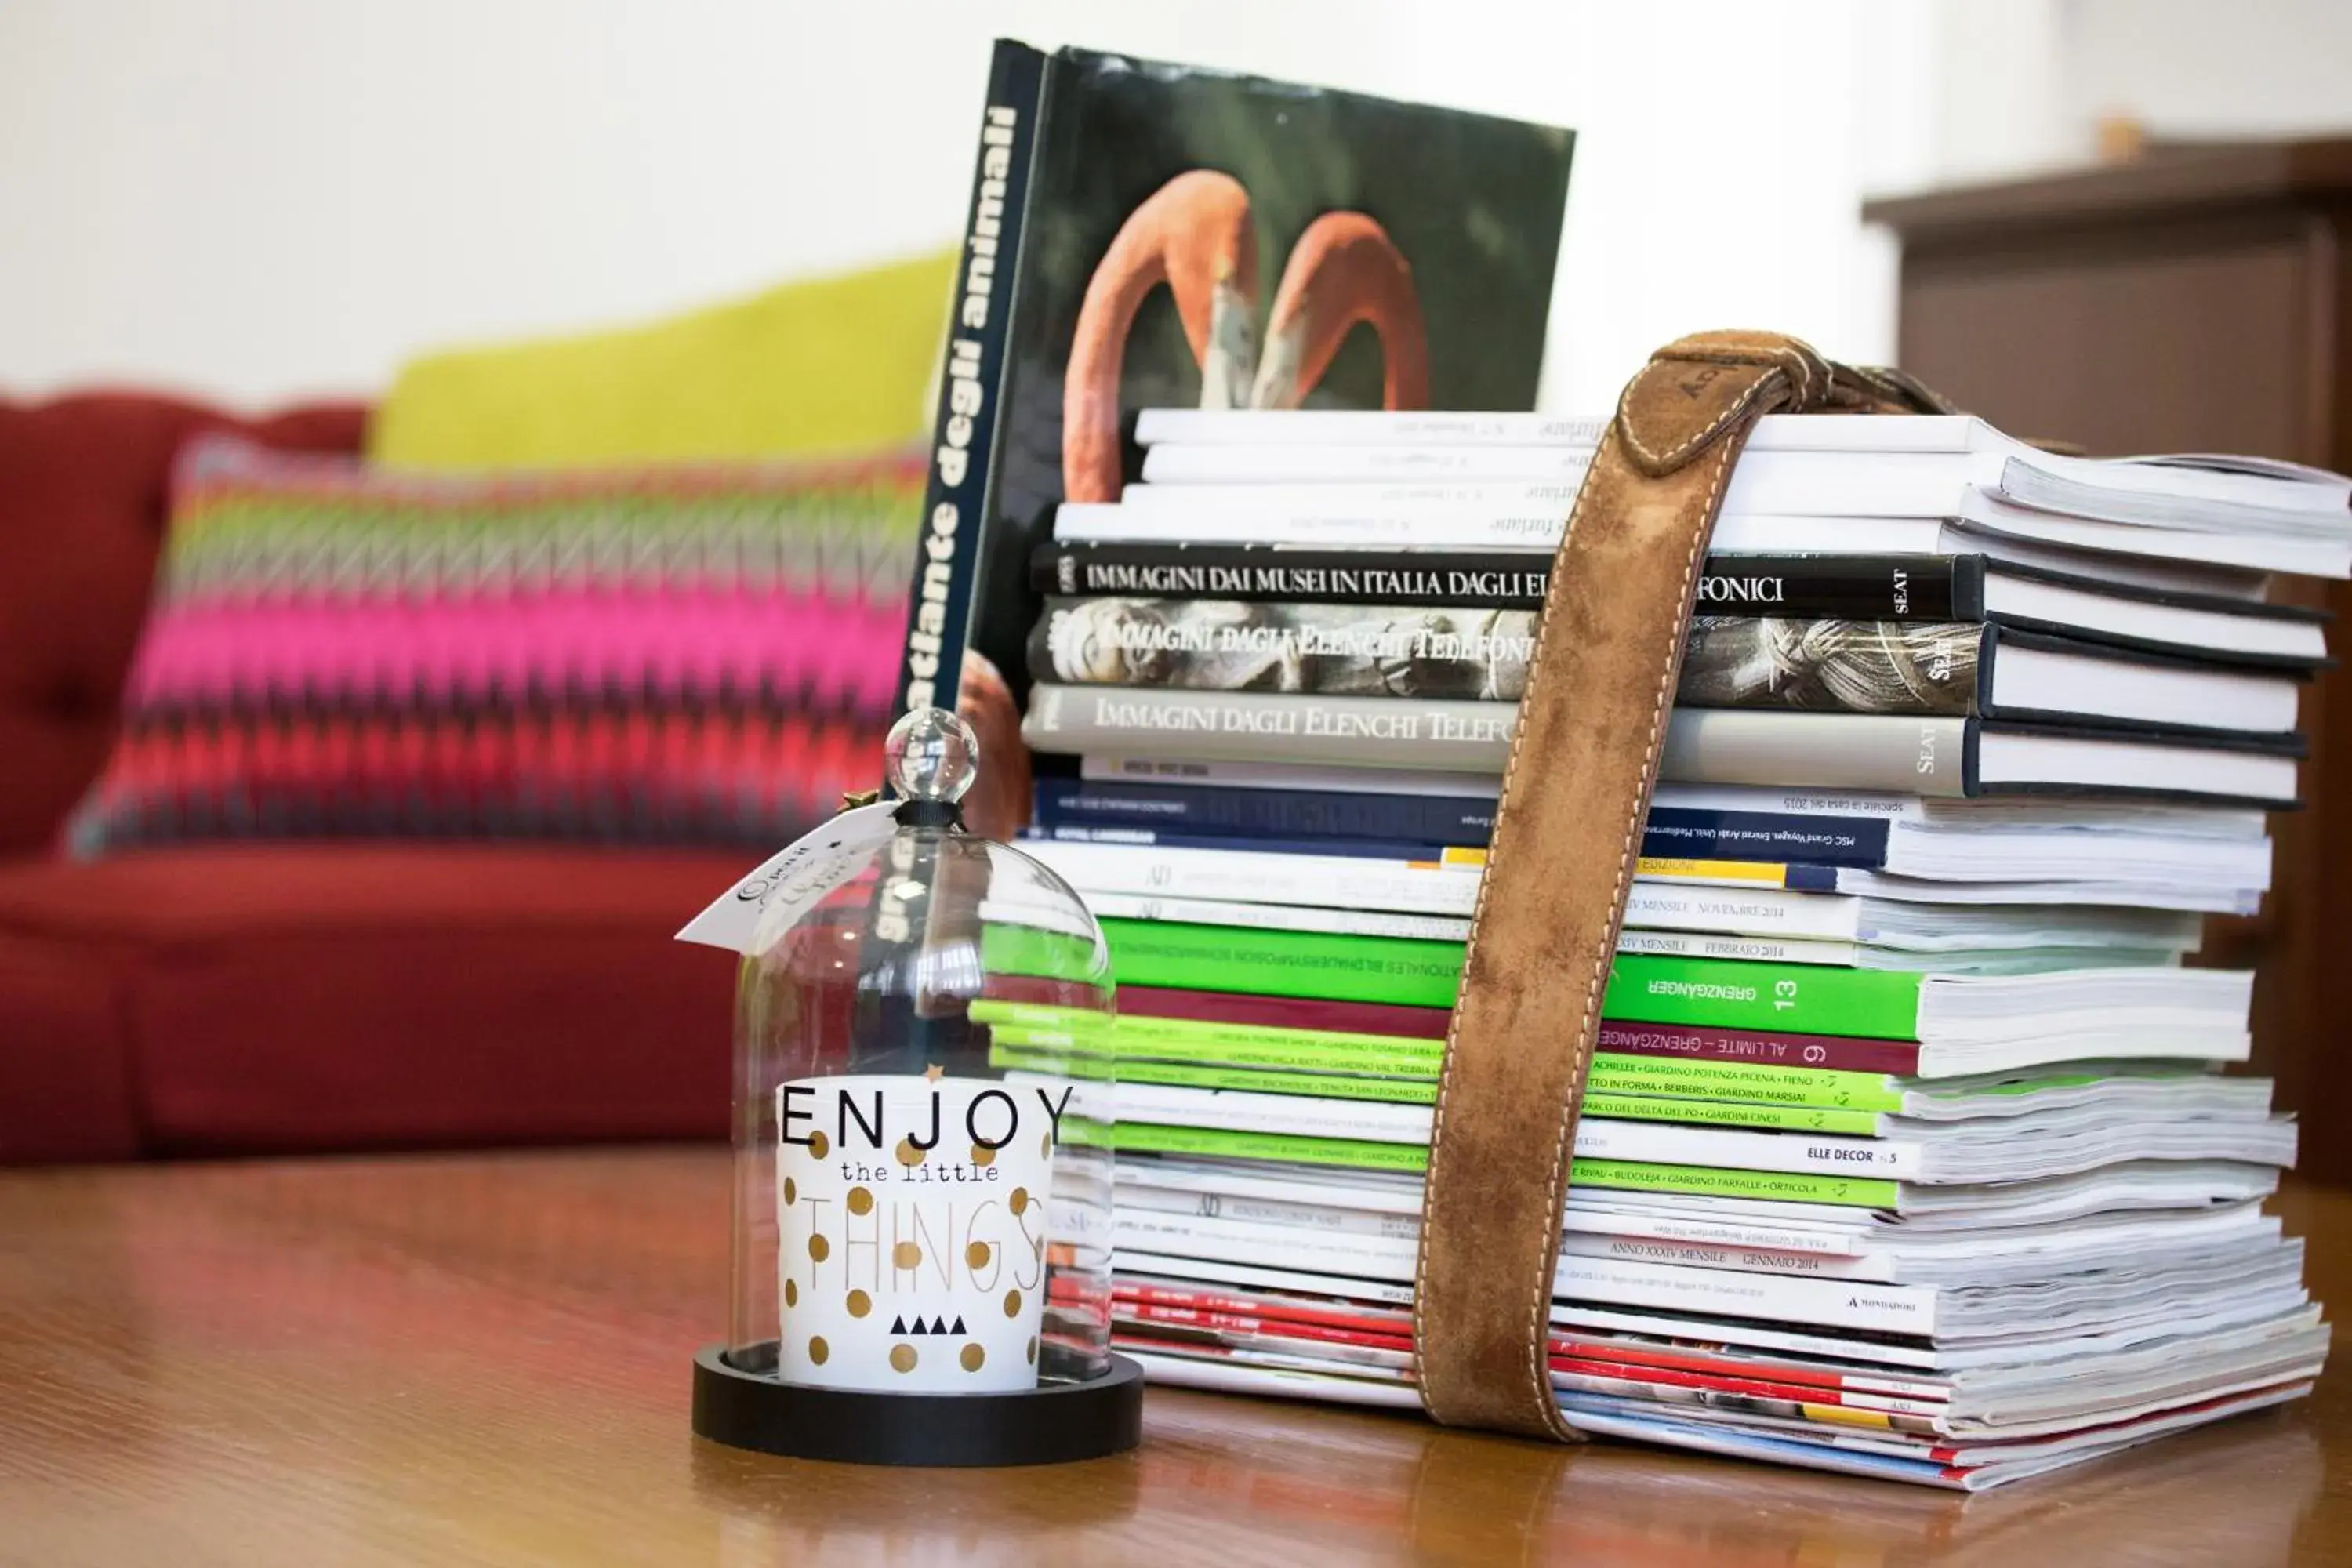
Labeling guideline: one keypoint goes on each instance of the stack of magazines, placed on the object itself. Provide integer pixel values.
(1908, 1149)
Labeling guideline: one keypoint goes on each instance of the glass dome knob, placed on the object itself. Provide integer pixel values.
(931, 755)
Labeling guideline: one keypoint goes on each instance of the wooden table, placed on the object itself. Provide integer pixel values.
(483, 1359)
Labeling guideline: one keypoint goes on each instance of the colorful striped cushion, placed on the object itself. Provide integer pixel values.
(678, 654)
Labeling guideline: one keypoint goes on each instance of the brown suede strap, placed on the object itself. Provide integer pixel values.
(1568, 831)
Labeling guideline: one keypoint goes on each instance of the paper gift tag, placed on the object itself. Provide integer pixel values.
(912, 1219)
(794, 878)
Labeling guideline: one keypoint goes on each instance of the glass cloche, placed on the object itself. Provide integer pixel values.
(923, 1143)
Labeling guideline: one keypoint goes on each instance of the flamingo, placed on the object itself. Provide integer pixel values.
(1344, 269)
(1195, 235)
(998, 806)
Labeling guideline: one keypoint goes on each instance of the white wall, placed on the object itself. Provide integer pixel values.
(256, 199)
(261, 198)
(2019, 85)
(2211, 67)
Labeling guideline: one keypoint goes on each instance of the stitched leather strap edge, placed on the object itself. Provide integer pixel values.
(1537, 965)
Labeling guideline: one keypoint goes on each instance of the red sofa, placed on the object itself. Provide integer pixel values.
(275, 999)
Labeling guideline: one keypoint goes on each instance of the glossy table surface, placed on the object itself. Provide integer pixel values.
(483, 1359)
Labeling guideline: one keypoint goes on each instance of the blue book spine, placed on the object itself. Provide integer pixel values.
(1856, 841)
(1252, 844)
(1468, 821)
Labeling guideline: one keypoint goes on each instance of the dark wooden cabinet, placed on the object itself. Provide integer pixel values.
(2198, 299)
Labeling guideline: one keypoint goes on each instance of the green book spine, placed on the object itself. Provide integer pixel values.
(1231, 1044)
(1200, 1040)
(1802, 998)
(1030, 1014)
(1285, 963)
(1812, 999)
(1851, 1191)
(1237, 1054)
(1729, 1113)
(1135, 1137)
(1422, 1091)
(1671, 1077)
(1007, 948)
(1136, 1039)
(1322, 1086)
(1355, 1154)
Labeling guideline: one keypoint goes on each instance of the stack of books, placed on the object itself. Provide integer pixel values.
(1906, 1150)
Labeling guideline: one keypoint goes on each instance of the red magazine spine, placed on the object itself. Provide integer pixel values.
(1268, 1328)
(1868, 1409)
(1369, 1321)
(1618, 1354)
(1746, 1046)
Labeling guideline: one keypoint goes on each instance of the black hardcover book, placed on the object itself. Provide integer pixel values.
(1852, 587)
(1907, 588)
(1154, 236)
(1493, 579)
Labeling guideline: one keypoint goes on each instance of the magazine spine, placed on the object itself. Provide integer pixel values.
(1598, 1139)
(1169, 464)
(1838, 1304)
(1775, 1380)
(1763, 1048)
(1739, 1255)
(1855, 841)
(1878, 1308)
(1505, 516)
(1412, 1159)
(1670, 1389)
(1759, 1047)
(1822, 1088)
(1325, 1208)
(1277, 962)
(1319, 856)
(1716, 993)
(1325, 1218)
(1009, 1052)
(1672, 832)
(1277, 1049)
(1279, 917)
(972, 383)
(1349, 1350)
(1348, 1289)
(1012, 1056)
(1516, 517)
(1675, 940)
(1152, 870)
(1217, 427)
(1333, 1315)
(1395, 851)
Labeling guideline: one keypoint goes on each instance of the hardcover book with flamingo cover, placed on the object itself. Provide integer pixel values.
(1144, 235)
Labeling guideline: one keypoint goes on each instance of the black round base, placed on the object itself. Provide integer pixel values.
(1044, 1426)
